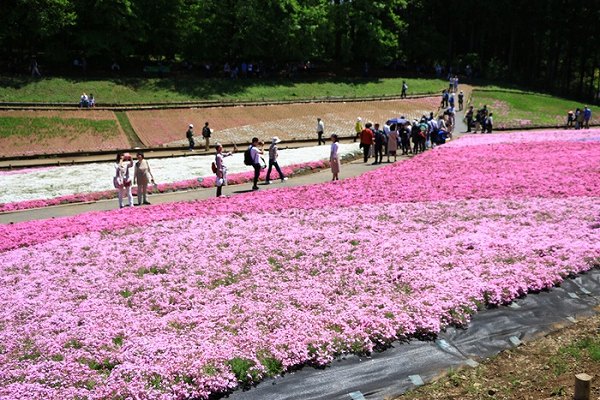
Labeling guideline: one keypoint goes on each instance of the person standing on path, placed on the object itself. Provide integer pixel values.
(122, 181)
(221, 168)
(380, 140)
(334, 158)
(461, 99)
(273, 155)
(469, 118)
(320, 130)
(206, 135)
(587, 115)
(392, 142)
(366, 140)
(404, 89)
(255, 153)
(141, 177)
(190, 136)
(358, 128)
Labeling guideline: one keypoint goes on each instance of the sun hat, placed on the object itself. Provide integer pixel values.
(191, 125)
(275, 140)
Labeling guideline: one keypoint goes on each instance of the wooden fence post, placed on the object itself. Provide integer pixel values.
(582, 386)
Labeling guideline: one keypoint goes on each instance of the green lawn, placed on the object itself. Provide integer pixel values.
(515, 108)
(44, 127)
(132, 90)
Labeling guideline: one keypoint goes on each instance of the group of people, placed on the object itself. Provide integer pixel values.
(253, 158)
(123, 181)
(449, 100)
(423, 133)
(580, 119)
(206, 133)
(482, 120)
(86, 101)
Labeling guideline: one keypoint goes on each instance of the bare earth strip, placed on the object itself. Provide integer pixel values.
(71, 141)
(288, 121)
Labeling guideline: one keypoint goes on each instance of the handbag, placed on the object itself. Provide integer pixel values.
(117, 182)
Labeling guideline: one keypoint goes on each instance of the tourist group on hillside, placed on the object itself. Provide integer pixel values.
(580, 119)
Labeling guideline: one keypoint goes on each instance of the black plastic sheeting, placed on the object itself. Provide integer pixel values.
(409, 364)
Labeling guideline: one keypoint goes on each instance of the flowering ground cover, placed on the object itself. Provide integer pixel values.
(183, 300)
(41, 187)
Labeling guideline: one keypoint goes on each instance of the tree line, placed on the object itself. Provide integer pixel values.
(548, 44)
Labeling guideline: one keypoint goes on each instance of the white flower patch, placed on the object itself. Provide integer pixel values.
(47, 183)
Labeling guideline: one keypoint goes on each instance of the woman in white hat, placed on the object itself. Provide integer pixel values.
(273, 154)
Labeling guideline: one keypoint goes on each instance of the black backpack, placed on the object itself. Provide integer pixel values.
(206, 132)
(248, 157)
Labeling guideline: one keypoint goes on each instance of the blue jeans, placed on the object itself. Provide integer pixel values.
(276, 164)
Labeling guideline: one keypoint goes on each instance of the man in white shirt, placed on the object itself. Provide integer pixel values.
(320, 130)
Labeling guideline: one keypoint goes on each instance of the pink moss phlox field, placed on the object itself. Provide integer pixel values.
(207, 182)
(514, 170)
(180, 301)
(164, 311)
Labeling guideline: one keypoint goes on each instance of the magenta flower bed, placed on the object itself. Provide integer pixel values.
(183, 300)
(207, 182)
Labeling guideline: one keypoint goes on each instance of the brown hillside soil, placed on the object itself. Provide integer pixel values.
(541, 369)
(67, 139)
(289, 121)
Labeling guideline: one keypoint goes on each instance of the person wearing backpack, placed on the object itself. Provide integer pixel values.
(190, 136)
(253, 153)
(220, 169)
(206, 135)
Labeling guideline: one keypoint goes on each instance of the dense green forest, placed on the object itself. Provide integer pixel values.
(545, 44)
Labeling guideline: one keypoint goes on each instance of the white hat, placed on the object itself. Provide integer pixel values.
(359, 119)
(275, 140)
(191, 125)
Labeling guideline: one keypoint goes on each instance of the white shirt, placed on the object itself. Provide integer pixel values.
(255, 155)
(320, 126)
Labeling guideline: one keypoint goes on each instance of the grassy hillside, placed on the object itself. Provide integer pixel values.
(132, 90)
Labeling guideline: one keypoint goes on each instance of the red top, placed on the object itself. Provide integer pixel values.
(367, 136)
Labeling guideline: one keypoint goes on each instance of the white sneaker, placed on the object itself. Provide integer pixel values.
(267, 182)
(284, 179)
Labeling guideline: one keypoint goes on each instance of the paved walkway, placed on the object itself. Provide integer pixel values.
(352, 169)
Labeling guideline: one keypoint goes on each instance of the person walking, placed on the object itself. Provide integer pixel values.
(320, 130)
(121, 180)
(206, 135)
(221, 169)
(255, 153)
(190, 137)
(141, 177)
(334, 158)
(367, 138)
(461, 99)
(273, 155)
